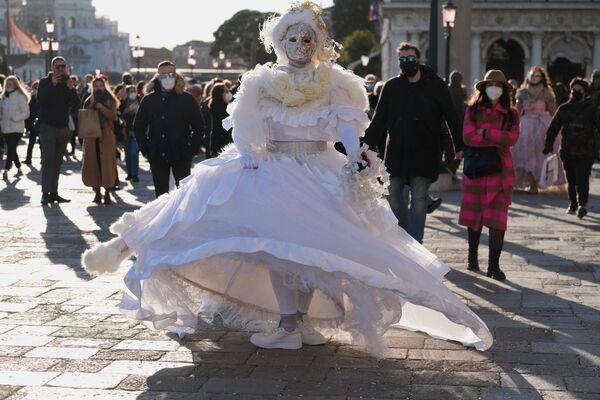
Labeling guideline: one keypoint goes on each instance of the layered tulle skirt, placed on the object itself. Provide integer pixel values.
(205, 250)
(528, 154)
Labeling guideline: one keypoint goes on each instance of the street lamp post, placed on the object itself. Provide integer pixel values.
(49, 42)
(138, 53)
(448, 16)
(191, 60)
(221, 63)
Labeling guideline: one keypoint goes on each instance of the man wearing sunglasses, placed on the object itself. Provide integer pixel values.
(412, 108)
(56, 96)
(168, 127)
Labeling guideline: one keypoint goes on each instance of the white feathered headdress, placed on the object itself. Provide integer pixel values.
(274, 29)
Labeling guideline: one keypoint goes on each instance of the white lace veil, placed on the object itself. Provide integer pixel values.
(274, 29)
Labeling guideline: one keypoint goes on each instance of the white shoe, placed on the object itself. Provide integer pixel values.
(309, 335)
(278, 339)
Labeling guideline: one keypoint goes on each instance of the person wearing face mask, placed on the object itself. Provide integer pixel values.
(14, 110)
(280, 233)
(128, 108)
(220, 137)
(370, 81)
(411, 110)
(99, 165)
(595, 87)
(576, 122)
(31, 124)
(490, 122)
(168, 127)
(536, 104)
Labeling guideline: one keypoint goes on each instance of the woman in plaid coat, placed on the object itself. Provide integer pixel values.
(490, 120)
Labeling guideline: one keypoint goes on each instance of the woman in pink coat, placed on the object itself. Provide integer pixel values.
(536, 105)
(490, 120)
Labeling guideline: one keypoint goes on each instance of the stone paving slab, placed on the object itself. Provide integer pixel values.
(62, 336)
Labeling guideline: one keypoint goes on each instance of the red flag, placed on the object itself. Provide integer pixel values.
(373, 12)
(23, 40)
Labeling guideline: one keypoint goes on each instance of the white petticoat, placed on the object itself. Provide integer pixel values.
(206, 249)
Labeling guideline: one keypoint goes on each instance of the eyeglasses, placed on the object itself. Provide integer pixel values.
(167, 75)
(407, 59)
(60, 66)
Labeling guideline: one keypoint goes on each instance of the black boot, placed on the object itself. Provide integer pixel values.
(473, 261)
(45, 199)
(473, 246)
(494, 270)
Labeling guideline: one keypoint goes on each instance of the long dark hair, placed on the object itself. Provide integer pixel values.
(216, 94)
(545, 77)
(480, 100)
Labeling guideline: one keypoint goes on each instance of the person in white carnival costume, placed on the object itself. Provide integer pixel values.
(281, 234)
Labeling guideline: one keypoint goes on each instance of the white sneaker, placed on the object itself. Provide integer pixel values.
(309, 335)
(278, 339)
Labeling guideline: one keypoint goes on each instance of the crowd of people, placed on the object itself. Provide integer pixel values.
(420, 125)
(514, 125)
(169, 128)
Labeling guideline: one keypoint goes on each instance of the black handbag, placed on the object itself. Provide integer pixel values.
(481, 161)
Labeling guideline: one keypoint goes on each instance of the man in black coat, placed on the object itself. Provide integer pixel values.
(56, 96)
(168, 128)
(578, 118)
(411, 109)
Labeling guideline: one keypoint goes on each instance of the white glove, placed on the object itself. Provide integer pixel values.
(349, 137)
(249, 161)
(357, 158)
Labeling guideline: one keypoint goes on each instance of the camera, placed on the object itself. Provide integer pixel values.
(64, 78)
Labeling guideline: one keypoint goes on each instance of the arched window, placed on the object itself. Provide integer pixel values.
(71, 23)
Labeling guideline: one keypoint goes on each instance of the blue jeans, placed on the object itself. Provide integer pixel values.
(413, 220)
(132, 158)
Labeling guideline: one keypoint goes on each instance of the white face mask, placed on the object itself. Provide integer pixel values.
(168, 83)
(300, 43)
(132, 96)
(493, 92)
(228, 97)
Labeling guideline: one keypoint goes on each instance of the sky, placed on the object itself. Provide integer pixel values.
(167, 23)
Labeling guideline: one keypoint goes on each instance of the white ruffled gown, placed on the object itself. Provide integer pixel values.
(207, 248)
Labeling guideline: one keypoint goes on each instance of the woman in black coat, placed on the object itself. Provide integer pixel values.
(220, 96)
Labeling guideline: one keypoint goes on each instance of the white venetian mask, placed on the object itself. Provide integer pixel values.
(300, 44)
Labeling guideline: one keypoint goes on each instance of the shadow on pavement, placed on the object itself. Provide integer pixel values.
(11, 197)
(64, 240)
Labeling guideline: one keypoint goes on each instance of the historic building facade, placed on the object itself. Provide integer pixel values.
(87, 41)
(561, 35)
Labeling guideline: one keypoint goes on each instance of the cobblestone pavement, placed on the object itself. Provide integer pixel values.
(62, 337)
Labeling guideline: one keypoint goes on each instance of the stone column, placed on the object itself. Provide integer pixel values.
(596, 59)
(460, 59)
(396, 38)
(536, 50)
(385, 50)
(475, 67)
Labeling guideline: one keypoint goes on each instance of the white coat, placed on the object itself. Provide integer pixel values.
(14, 110)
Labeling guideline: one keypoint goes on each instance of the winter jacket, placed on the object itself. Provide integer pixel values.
(14, 110)
(577, 121)
(168, 126)
(219, 137)
(55, 102)
(412, 115)
(485, 200)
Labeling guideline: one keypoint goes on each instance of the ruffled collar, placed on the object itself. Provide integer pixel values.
(296, 87)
